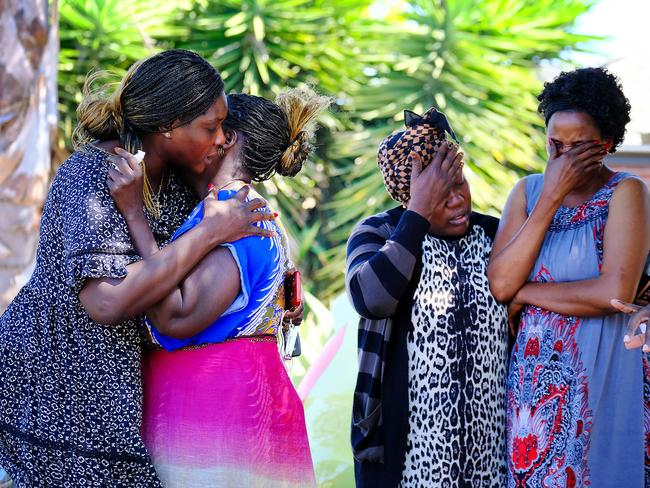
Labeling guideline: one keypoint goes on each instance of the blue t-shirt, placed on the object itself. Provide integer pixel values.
(262, 262)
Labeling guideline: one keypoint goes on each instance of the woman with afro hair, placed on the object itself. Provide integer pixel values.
(569, 240)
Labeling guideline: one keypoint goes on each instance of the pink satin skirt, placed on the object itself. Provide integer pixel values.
(225, 415)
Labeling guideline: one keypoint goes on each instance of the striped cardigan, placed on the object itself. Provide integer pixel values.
(383, 251)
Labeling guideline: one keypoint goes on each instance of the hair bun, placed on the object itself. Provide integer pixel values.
(295, 155)
(301, 106)
(99, 114)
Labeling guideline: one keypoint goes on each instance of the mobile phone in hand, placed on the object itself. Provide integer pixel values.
(292, 290)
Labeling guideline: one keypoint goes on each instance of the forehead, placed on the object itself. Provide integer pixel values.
(217, 111)
(570, 125)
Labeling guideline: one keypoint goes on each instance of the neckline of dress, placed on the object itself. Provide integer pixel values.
(603, 187)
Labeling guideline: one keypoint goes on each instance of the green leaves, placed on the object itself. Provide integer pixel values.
(107, 35)
(476, 60)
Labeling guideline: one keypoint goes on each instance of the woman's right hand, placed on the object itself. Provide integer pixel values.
(125, 180)
(430, 186)
(515, 308)
(639, 318)
(235, 218)
(567, 171)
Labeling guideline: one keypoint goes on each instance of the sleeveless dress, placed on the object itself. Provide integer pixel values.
(70, 390)
(219, 407)
(575, 395)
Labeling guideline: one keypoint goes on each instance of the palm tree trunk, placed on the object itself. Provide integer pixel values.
(28, 65)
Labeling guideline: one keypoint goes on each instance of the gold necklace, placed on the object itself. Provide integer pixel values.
(151, 199)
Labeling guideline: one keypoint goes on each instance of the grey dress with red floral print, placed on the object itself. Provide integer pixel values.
(577, 399)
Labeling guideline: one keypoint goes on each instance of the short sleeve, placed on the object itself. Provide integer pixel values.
(95, 236)
(262, 263)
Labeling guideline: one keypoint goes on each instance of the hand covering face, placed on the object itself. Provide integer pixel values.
(423, 134)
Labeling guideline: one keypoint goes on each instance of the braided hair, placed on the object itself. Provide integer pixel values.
(276, 136)
(166, 90)
(594, 91)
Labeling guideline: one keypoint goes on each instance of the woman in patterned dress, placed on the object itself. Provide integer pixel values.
(219, 407)
(429, 405)
(70, 343)
(570, 240)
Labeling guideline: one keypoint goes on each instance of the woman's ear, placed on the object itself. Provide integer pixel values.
(231, 138)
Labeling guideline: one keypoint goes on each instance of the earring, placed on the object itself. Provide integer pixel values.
(168, 135)
(221, 151)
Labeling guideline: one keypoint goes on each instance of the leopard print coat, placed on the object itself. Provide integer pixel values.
(457, 357)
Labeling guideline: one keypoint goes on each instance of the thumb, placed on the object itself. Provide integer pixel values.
(624, 307)
(552, 150)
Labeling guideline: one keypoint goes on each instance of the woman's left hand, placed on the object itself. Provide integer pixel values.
(125, 181)
(295, 315)
(640, 316)
(514, 314)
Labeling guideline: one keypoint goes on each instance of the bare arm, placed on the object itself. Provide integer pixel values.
(518, 242)
(200, 298)
(520, 236)
(110, 301)
(140, 232)
(625, 248)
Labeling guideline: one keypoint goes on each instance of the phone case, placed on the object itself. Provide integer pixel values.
(293, 290)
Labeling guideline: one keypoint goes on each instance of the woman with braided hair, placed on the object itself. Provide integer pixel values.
(219, 408)
(570, 240)
(70, 342)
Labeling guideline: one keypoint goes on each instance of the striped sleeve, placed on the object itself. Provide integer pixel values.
(380, 262)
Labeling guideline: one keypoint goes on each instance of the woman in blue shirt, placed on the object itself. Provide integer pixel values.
(220, 409)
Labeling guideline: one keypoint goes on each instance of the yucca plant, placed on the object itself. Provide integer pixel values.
(263, 47)
(107, 35)
(475, 60)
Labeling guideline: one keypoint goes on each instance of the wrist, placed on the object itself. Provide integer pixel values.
(520, 296)
(549, 202)
(209, 235)
(420, 209)
(410, 231)
(552, 197)
(134, 215)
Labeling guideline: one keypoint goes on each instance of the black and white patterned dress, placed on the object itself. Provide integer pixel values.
(70, 391)
(457, 356)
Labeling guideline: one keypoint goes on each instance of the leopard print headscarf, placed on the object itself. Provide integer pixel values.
(423, 134)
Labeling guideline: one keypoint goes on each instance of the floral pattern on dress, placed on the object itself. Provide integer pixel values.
(575, 396)
(550, 421)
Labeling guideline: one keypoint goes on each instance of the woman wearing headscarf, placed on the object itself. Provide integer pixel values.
(429, 405)
(70, 343)
(569, 240)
